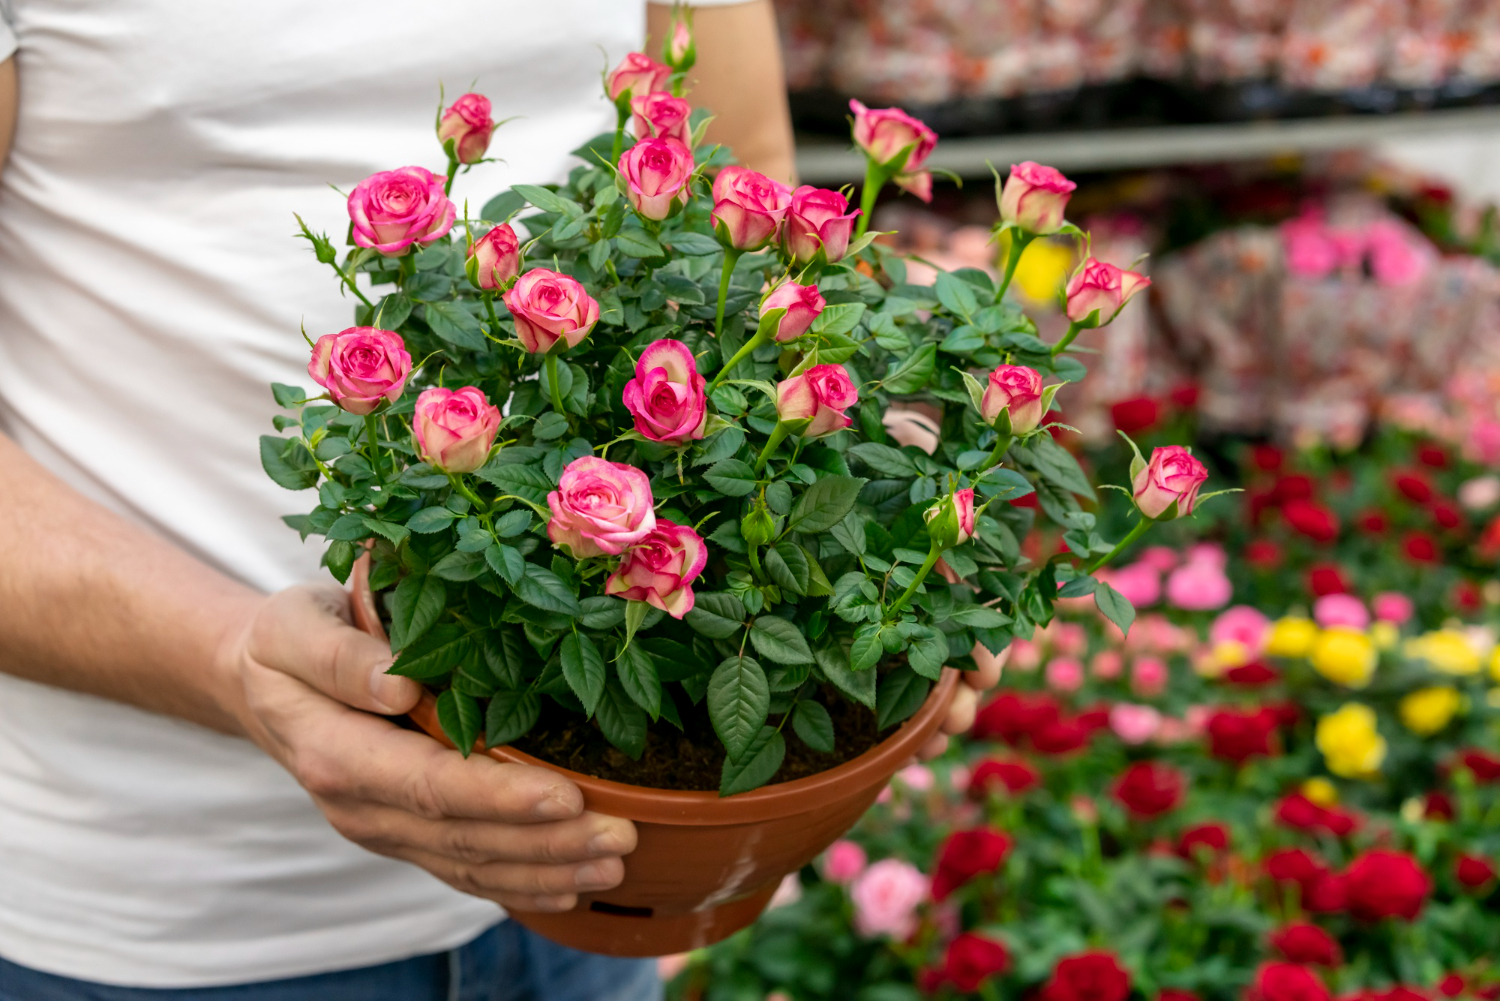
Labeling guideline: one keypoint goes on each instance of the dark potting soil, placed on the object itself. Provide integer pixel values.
(691, 759)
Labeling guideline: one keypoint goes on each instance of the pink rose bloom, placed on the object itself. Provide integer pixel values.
(1396, 256)
(1206, 552)
(1035, 198)
(1308, 250)
(659, 115)
(1393, 607)
(1025, 655)
(600, 508)
(818, 221)
(1148, 677)
(1163, 558)
(1064, 674)
(1101, 287)
(1198, 587)
(1107, 665)
(819, 395)
(1340, 610)
(1068, 638)
(680, 44)
(950, 520)
(468, 126)
(1196, 718)
(637, 73)
(660, 569)
(803, 305)
(1134, 724)
(886, 897)
(454, 429)
(549, 307)
(361, 367)
(1173, 731)
(1139, 582)
(748, 208)
(657, 174)
(843, 862)
(394, 209)
(1243, 625)
(666, 396)
(1014, 390)
(494, 258)
(1482, 443)
(917, 778)
(1172, 476)
(884, 132)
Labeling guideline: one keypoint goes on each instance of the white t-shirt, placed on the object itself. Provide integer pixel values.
(150, 290)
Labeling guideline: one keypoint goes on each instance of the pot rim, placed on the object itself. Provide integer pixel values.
(700, 807)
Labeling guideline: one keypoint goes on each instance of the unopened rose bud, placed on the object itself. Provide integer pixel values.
(1172, 476)
(950, 520)
(759, 526)
(494, 258)
(1035, 197)
(818, 397)
(1101, 287)
(818, 224)
(681, 51)
(803, 305)
(468, 126)
(1016, 392)
(637, 74)
(883, 133)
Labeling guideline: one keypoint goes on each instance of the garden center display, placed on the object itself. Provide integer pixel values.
(616, 482)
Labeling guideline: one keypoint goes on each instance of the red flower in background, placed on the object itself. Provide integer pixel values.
(1150, 788)
(1485, 766)
(1094, 718)
(1184, 395)
(1136, 414)
(1263, 554)
(1447, 516)
(1474, 871)
(1438, 806)
(970, 961)
(1237, 736)
(1015, 775)
(1373, 522)
(1302, 942)
(966, 854)
(1290, 488)
(1326, 894)
(1325, 578)
(1294, 865)
(1013, 716)
(1489, 541)
(1297, 811)
(1419, 547)
(1088, 976)
(1467, 597)
(1287, 982)
(1412, 485)
(1312, 520)
(1213, 837)
(1062, 736)
(1386, 884)
(1267, 458)
(1173, 994)
(1252, 675)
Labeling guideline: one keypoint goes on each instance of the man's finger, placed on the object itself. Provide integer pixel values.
(497, 878)
(961, 710)
(473, 842)
(989, 666)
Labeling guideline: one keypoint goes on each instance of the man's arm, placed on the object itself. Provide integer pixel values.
(739, 78)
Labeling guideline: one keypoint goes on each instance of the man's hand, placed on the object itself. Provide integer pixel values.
(513, 834)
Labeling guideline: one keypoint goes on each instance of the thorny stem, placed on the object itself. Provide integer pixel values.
(754, 342)
(731, 258)
(1136, 532)
(874, 181)
(1019, 241)
(552, 384)
(932, 557)
(777, 437)
(997, 454)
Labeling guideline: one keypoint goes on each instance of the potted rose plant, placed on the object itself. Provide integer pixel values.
(622, 497)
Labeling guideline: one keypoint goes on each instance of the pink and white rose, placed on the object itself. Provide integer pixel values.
(886, 897)
(666, 396)
(455, 428)
(1102, 287)
(657, 175)
(468, 126)
(1172, 476)
(494, 258)
(394, 209)
(600, 508)
(361, 367)
(549, 307)
(660, 569)
(638, 74)
(818, 221)
(659, 115)
(884, 132)
(1015, 390)
(748, 207)
(1035, 198)
(820, 396)
(803, 305)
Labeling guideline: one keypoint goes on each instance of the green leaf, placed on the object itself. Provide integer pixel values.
(928, 653)
(339, 559)
(288, 397)
(431, 519)
(348, 528)
(621, 721)
(546, 200)
(839, 318)
(739, 699)
(956, 295)
(901, 693)
(638, 243)
(850, 533)
(715, 615)
(693, 244)
(720, 446)
(731, 477)
(1078, 587)
(858, 685)
(824, 504)
(454, 324)
(779, 641)
(436, 654)
(391, 311)
(396, 534)
(515, 478)
(459, 566)
(416, 605)
(637, 671)
(814, 726)
(503, 206)
(550, 425)
(909, 374)
(511, 714)
(513, 523)
(541, 587)
(601, 612)
(504, 656)
(287, 462)
(868, 647)
(884, 459)
(1057, 466)
(583, 668)
(507, 562)
(980, 616)
(762, 758)
(788, 566)
(459, 716)
(1115, 607)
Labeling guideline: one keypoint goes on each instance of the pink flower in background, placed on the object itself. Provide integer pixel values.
(657, 174)
(884, 132)
(1134, 724)
(817, 221)
(803, 305)
(666, 396)
(1308, 251)
(1341, 610)
(1482, 443)
(1139, 582)
(1392, 606)
(1480, 493)
(1172, 476)
(748, 207)
(549, 307)
(886, 897)
(1163, 558)
(1035, 198)
(639, 74)
(1068, 638)
(819, 395)
(600, 507)
(1199, 587)
(1064, 674)
(1148, 677)
(1244, 625)
(1016, 391)
(1397, 255)
(454, 429)
(1098, 286)
(1025, 655)
(468, 125)
(495, 258)
(394, 209)
(660, 569)
(1107, 665)
(361, 367)
(917, 778)
(843, 862)
(1206, 552)
(659, 115)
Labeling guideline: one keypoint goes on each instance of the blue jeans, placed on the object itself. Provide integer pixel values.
(506, 963)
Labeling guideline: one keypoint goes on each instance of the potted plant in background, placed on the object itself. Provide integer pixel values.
(622, 496)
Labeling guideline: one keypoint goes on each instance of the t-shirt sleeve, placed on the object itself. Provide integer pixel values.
(8, 41)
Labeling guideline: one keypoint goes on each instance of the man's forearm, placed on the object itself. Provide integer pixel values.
(91, 602)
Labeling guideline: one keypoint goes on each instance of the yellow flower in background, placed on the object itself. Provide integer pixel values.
(1495, 664)
(1321, 791)
(1385, 634)
(1043, 270)
(1445, 650)
(1230, 653)
(1343, 655)
(1352, 747)
(1428, 710)
(1292, 637)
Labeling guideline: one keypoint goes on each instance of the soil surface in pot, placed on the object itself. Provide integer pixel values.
(690, 760)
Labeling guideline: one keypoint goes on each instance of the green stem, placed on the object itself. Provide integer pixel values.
(1060, 346)
(999, 453)
(932, 557)
(874, 180)
(754, 342)
(731, 258)
(489, 308)
(467, 494)
(349, 281)
(1136, 532)
(755, 563)
(552, 385)
(452, 172)
(406, 266)
(1019, 241)
(374, 442)
(778, 435)
(622, 115)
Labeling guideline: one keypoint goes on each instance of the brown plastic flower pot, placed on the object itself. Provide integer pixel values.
(704, 866)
